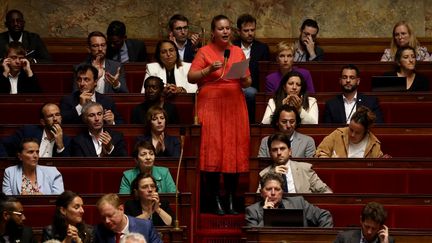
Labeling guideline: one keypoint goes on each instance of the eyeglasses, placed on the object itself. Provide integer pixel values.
(19, 214)
(180, 28)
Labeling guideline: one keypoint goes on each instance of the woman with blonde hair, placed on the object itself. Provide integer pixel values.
(285, 59)
(403, 35)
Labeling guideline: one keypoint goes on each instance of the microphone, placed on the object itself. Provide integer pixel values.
(352, 109)
(227, 53)
(182, 138)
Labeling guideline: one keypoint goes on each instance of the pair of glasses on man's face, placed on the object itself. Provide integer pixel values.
(19, 214)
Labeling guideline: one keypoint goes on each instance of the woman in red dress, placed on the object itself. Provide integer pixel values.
(222, 113)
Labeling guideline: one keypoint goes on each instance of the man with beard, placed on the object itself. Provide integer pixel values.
(33, 44)
(298, 177)
(306, 47)
(53, 143)
(153, 87)
(372, 227)
(111, 76)
(12, 227)
(342, 107)
(256, 51)
(286, 119)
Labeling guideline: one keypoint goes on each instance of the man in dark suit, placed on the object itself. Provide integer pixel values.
(179, 34)
(97, 141)
(111, 77)
(256, 51)
(17, 76)
(341, 108)
(272, 197)
(122, 49)
(53, 143)
(115, 221)
(71, 105)
(12, 218)
(372, 228)
(33, 44)
(307, 48)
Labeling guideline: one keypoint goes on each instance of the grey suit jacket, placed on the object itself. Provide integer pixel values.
(110, 67)
(352, 236)
(305, 178)
(313, 216)
(302, 146)
(49, 179)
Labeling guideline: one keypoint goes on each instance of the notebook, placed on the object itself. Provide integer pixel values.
(388, 83)
(281, 217)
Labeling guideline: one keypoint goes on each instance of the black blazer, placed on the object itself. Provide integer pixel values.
(172, 145)
(12, 142)
(25, 84)
(70, 115)
(31, 42)
(26, 236)
(82, 145)
(137, 51)
(259, 52)
(335, 110)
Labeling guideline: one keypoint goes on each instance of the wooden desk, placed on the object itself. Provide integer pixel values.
(326, 75)
(322, 235)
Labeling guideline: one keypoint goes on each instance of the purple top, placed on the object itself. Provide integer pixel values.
(273, 80)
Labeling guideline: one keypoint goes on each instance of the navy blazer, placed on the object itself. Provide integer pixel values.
(259, 52)
(25, 84)
(172, 145)
(137, 51)
(189, 52)
(142, 226)
(335, 110)
(31, 42)
(82, 145)
(70, 115)
(12, 142)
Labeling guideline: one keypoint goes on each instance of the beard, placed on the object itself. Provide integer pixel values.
(349, 90)
(13, 230)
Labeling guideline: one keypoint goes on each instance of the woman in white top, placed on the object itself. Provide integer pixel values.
(403, 35)
(292, 91)
(170, 69)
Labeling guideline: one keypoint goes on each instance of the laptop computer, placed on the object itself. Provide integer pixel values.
(281, 217)
(388, 83)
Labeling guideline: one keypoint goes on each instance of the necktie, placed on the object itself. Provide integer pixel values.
(285, 184)
(118, 236)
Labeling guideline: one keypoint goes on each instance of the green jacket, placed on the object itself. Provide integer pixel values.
(164, 181)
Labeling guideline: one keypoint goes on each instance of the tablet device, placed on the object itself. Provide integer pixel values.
(281, 217)
(388, 83)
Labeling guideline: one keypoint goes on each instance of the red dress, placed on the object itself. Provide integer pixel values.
(223, 115)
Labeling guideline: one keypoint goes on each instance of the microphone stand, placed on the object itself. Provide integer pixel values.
(177, 222)
(196, 120)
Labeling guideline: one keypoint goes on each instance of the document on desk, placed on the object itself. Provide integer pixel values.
(238, 70)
